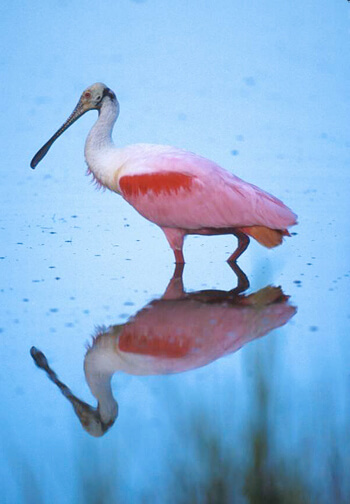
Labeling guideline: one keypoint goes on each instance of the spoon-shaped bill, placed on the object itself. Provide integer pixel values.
(79, 110)
(89, 417)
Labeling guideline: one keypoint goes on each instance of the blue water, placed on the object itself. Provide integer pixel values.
(262, 90)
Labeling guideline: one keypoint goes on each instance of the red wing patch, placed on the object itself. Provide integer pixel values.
(161, 182)
(152, 344)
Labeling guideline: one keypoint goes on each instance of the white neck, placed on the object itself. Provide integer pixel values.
(100, 135)
(100, 387)
(99, 369)
(99, 145)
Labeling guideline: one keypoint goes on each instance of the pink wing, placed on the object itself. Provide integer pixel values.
(175, 336)
(180, 189)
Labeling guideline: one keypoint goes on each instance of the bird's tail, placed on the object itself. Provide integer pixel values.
(266, 236)
(264, 297)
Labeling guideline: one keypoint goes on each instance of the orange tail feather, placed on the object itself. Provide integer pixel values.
(266, 296)
(266, 236)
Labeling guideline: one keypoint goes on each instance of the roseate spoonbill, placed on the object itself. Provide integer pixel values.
(177, 333)
(181, 192)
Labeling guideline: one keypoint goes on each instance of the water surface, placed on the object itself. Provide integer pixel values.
(219, 399)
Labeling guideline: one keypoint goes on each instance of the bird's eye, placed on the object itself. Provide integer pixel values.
(87, 95)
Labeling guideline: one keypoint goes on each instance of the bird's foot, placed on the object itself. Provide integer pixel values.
(243, 242)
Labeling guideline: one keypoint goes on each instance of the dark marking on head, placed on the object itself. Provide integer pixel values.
(109, 92)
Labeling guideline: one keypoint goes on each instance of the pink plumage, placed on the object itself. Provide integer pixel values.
(187, 194)
(177, 333)
(181, 192)
(173, 336)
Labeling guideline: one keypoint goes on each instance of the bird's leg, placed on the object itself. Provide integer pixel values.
(243, 242)
(179, 257)
(175, 289)
(242, 279)
(175, 238)
(178, 271)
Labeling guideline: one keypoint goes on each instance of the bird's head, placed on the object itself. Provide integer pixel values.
(92, 98)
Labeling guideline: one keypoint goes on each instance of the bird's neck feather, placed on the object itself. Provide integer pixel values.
(99, 145)
(99, 368)
(100, 135)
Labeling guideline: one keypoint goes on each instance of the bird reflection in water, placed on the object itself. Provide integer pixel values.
(176, 333)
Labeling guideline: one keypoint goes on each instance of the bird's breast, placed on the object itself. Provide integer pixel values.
(105, 165)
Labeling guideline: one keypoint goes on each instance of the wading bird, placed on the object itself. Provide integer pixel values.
(181, 192)
(179, 332)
